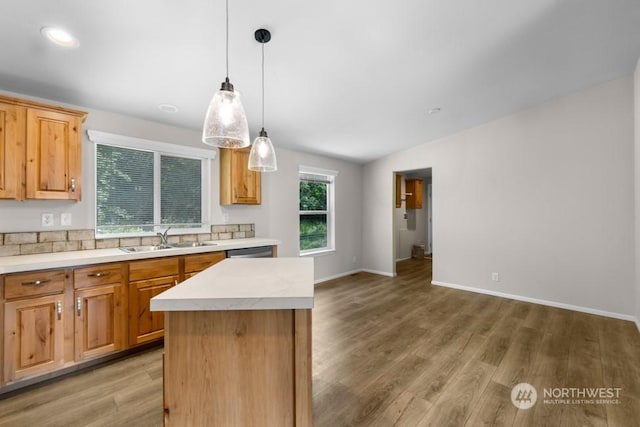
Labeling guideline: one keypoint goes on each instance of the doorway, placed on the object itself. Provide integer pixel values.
(413, 216)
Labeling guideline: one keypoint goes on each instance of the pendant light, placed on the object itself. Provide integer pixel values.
(262, 157)
(226, 123)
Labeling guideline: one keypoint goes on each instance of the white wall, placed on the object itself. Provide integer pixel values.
(543, 196)
(277, 216)
(637, 186)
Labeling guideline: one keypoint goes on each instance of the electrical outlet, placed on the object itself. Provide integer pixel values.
(47, 219)
(65, 219)
(354, 259)
(495, 276)
(225, 218)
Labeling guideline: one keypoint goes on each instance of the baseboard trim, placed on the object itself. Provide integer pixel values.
(638, 324)
(336, 276)
(539, 301)
(402, 259)
(381, 273)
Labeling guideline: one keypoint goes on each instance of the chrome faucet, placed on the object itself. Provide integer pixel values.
(163, 236)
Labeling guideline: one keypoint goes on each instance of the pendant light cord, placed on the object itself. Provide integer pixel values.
(227, 36)
(262, 86)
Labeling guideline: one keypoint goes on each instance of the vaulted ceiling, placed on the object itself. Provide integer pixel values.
(351, 79)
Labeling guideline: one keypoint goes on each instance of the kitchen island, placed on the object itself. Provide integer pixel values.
(238, 344)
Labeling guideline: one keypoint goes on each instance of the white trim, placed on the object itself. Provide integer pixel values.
(317, 171)
(638, 323)
(402, 259)
(380, 273)
(318, 252)
(149, 145)
(536, 301)
(336, 276)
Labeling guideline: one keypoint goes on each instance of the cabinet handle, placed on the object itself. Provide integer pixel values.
(79, 305)
(73, 185)
(105, 274)
(36, 282)
(175, 282)
(59, 309)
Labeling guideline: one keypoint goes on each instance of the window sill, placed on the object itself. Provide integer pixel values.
(319, 252)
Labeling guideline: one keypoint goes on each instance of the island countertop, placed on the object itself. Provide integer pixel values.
(243, 284)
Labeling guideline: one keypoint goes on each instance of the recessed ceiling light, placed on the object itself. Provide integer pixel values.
(434, 110)
(59, 37)
(168, 108)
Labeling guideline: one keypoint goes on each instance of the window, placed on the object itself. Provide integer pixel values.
(317, 198)
(142, 186)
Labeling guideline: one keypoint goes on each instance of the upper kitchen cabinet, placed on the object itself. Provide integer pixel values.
(238, 185)
(12, 125)
(45, 142)
(413, 188)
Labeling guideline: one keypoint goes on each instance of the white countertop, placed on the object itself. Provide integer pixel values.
(243, 284)
(20, 263)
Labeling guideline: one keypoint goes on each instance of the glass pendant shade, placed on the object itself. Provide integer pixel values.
(262, 157)
(226, 125)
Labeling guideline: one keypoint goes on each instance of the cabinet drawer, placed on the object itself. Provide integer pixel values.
(196, 263)
(32, 284)
(141, 270)
(97, 275)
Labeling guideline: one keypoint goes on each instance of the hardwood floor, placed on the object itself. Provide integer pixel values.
(398, 352)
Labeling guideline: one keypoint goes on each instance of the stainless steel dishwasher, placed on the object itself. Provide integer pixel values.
(258, 252)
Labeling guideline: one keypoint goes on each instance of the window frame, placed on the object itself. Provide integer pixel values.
(330, 175)
(158, 149)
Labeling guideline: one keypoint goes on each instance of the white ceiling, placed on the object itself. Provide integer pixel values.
(350, 79)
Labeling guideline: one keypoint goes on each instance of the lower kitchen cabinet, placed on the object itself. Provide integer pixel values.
(34, 336)
(98, 325)
(194, 264)
(99, 316)
(146, 280)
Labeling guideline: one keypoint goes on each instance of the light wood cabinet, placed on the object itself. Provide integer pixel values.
(193, 264)
(238, 185)
(54, 145)
(45, 143)
(12, 151)
(146, 280)
(413, 188)
(99, 322)
(34, 324)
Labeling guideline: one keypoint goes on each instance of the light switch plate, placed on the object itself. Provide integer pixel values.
(65, 219)
(47, 219)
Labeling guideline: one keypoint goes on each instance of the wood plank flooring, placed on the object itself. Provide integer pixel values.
(398, 352)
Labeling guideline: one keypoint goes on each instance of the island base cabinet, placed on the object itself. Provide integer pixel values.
(34, 336)
(238, 368)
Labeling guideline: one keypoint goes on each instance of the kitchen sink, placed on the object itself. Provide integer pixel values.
(151, 248)
(190, 244)
(147, 248)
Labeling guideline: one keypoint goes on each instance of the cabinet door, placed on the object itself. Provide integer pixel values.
(34, 336)
(53, 155)
(238, 185)
(98, 322)
(12, 119)
(413, 188)
(146, 325)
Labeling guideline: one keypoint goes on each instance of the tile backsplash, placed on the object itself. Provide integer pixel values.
(40, 242)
